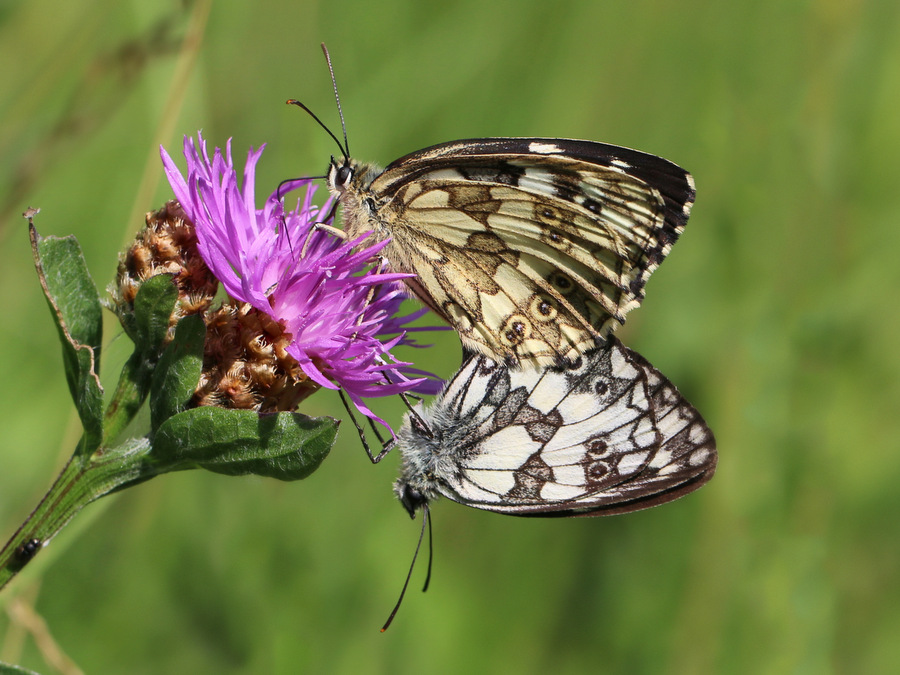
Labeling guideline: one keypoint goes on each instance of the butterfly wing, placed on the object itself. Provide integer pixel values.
(532, 248)
(686, 458)
(608, 435)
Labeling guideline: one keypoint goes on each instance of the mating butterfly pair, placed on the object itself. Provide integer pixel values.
(533, 250)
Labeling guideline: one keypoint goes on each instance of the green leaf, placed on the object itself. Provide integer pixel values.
(176, 375)
(75, 305)
(153, 307)
(287, 446)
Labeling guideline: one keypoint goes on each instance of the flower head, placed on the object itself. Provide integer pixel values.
(338, 312)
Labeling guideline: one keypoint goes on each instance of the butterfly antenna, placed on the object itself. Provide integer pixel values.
(427, 517)
(425, 521)
(279, 195)
(293, 101)
(338, 99)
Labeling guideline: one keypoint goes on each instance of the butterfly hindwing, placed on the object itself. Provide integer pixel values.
(532, 248)
(608, 434)
(687, 456)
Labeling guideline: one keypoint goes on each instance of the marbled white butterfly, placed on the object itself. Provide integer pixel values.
(531, 248)
(607, 434)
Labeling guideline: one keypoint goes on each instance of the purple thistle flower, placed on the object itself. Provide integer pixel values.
(341, 315)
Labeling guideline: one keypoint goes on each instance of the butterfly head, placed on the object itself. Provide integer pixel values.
(346, 175)
(340, 174)
(411, 498)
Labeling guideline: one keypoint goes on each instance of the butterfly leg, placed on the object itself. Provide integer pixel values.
(386, 446)
(337, 232)
(420, 423)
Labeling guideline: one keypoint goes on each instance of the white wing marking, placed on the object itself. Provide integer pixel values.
(505, 450)
(470, 493)
(632, 462)
(544, 148)
(554, 492)
(569, 475)
(498, 482)
(547, 391)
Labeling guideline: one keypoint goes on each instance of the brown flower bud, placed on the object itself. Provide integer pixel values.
(167, 245)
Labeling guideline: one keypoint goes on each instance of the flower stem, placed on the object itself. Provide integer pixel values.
(81, 481)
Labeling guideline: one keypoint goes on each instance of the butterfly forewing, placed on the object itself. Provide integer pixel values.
(608, 434)
(532, 248)
(510, 284)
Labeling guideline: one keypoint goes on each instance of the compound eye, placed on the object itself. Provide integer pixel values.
(344, 174)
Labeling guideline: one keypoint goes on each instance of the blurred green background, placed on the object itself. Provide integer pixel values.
(773, 315)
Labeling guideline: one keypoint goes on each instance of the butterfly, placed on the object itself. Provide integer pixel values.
(533, 249)
(606, 434)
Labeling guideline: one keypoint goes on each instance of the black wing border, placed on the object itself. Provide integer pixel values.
(675, 185)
